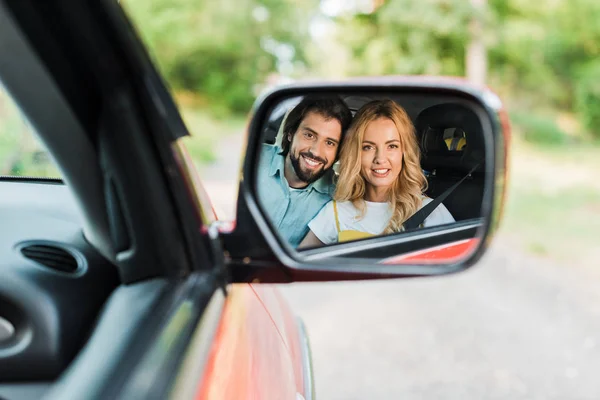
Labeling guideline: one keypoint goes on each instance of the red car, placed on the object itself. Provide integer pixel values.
(117, 279)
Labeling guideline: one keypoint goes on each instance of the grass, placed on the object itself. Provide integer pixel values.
(553, 207)
(539, 129)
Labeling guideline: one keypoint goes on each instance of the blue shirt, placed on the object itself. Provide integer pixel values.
(290, 210)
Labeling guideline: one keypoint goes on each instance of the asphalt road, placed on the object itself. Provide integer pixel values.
(512, 327)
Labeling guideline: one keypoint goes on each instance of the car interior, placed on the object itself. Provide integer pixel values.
(451, 141)
(96, 262)
(53, 285)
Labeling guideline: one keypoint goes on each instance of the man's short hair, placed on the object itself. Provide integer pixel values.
(326, 106)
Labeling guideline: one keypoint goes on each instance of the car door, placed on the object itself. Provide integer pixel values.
(84, 82)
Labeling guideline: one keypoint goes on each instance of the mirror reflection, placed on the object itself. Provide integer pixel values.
(338, 167)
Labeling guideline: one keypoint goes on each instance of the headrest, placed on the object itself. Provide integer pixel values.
(433, 122)
(354, 103)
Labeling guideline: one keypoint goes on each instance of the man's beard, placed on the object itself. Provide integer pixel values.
(307, 176)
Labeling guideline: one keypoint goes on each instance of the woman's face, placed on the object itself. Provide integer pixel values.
(381, 153)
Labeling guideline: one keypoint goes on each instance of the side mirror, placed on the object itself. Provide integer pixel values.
(379, 178)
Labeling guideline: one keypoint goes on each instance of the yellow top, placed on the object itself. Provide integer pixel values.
(348, 235)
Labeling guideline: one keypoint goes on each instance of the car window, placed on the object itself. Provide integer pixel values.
(21, 152)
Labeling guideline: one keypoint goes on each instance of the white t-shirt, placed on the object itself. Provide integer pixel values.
(375, 220)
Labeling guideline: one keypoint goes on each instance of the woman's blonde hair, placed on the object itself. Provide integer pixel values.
(405, 196)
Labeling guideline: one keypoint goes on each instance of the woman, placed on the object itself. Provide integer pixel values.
(381, 182)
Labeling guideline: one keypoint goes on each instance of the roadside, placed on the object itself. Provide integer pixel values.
(220, 177)
(513, 327)
(553, 207)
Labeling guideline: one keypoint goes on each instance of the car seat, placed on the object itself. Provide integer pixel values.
(444, 166)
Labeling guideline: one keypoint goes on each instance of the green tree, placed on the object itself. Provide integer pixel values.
(223, 49)
(406, 37)
(542, 47)
(540, 55)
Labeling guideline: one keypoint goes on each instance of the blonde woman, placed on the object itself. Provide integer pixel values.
(381, 182)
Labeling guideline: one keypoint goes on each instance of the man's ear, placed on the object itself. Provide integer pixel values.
(289, 137)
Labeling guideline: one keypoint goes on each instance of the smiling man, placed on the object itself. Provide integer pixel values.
(296, 180)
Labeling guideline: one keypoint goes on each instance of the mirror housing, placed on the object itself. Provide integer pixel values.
(256, 253)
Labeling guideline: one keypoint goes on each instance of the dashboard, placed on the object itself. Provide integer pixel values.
(53, 283)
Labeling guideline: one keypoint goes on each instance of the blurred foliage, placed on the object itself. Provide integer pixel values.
(588, 99)
(223, 49)
(405, 37)
(527, 42)
(543, 46)
(538, 129)
(540, 55)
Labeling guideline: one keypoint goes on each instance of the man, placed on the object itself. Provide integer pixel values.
(296, 180)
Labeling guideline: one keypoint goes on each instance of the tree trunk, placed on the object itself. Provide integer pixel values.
(476, 51)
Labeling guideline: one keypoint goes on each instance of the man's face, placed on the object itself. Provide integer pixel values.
(314, 146)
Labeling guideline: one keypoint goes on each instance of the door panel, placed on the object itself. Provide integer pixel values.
(248, 358)
(285, 322)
